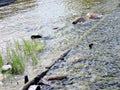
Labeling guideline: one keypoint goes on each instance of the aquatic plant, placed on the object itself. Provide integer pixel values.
(34, 59)
(16, 60)
(17, 45)
(31, 46)
(27, 46)
(37, 46)
(18, 54)
(1, 61)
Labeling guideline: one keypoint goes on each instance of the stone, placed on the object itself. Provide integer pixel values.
(78, 20)
(36, 36)
(34, 87)
(91, 15)
(6, 68)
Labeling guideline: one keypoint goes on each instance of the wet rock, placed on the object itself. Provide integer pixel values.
(36, 36)
(55, 28)
(118, 5)
(6, 68)
(118, 85)
(5, 2)
(44, 87)
(34, 87)
(43, 83)
(79, 20)
(91, 15)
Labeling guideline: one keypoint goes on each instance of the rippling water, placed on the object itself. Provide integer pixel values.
(27, 16)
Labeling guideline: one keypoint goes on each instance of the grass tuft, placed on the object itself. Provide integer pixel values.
(1, 61)
(16, 61)
(19, 53)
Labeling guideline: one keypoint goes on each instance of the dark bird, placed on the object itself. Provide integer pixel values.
(91, 45)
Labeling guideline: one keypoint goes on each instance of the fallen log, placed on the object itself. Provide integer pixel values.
(41, 75)
(54, 77)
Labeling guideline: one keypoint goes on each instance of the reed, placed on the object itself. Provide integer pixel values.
(16, 60)
(1, 61)
(18, 54)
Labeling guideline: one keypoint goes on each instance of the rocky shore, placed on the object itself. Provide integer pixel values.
(90, 68)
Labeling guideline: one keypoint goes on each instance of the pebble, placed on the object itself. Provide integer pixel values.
(36, 36)
(6, 68)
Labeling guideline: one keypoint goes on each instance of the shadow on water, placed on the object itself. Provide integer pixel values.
(16, 7)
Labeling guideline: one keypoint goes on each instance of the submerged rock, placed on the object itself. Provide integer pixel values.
(78, 20)
(36, 36)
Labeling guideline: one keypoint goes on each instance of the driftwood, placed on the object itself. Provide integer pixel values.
(41, 75)
(54, 77)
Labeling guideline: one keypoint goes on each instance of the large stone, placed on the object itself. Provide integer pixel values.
(6, 68)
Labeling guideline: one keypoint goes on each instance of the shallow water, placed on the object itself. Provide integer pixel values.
(25, 17)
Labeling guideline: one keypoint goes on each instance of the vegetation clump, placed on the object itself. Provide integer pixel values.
(19, 53)
(1, 61)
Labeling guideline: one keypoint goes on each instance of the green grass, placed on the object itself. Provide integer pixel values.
(18, 54)
(34, 59)
(17, 45)
(1, 61)
(16, 60)
(31, 46)
(27, 46)
(91, 2)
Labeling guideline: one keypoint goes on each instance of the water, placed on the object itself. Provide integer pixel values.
(25, 17)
